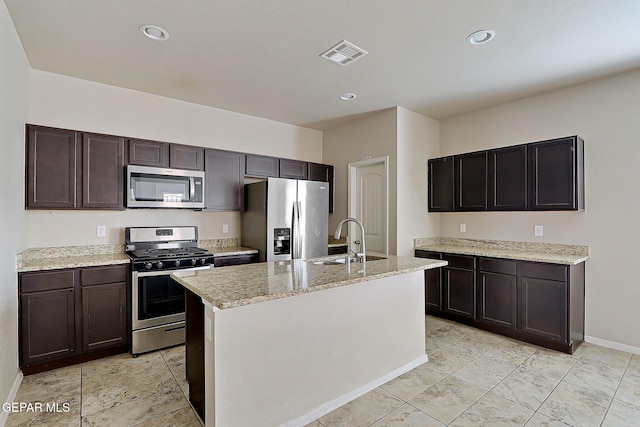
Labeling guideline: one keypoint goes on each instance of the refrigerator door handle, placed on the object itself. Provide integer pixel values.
(294, 232)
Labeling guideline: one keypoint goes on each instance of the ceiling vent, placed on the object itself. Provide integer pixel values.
(344, 53)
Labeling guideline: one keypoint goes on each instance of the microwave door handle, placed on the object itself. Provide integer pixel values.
(192, 189)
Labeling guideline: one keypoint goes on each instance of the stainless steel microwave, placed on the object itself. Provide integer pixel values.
(151, 187)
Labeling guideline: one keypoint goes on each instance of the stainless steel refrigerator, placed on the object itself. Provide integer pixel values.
(286, 218)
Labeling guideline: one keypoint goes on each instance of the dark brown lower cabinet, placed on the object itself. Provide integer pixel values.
(497, 287)
(539, 303)
(48, 324)
(459, 285)
(104, 315)
(194, 336)
(72, 315)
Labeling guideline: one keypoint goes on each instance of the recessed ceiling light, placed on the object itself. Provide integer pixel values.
(154, 32)
(349, 96)
(481, 37)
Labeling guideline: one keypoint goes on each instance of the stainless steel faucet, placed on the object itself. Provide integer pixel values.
(362, 254)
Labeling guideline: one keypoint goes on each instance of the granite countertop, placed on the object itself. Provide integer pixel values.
(54, 258)
(526, 251)
(335, 243)
(253, 283)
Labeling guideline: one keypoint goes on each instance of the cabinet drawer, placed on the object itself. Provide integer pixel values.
(545, 271)
(419, 253)
(497, 265)
(225, 261)
(100, 275)
(46, 281)
(460, 261)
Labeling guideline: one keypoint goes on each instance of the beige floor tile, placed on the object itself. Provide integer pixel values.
(622, 414)
(138, 410)
(183, 417)
(629, 389)
(363, 411)
(443, 337)
(512, 351)
(485, 372)
(414, 382)
(551, 363)
(493, 411)
(432, 323)
(596, 375)
(479, 344)
(408, 416)
(526, 388)
(542, 420)
(50, 386)
(575, 405)
(451, 358)
(597, 353)
(120, 392)
(175, 359)
(447, 399)
(315, 423)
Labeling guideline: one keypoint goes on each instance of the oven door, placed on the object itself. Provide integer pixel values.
(157, 299)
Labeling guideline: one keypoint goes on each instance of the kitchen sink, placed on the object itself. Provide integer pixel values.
(341, 260)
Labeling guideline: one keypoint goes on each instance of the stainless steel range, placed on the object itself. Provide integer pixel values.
(157, 314)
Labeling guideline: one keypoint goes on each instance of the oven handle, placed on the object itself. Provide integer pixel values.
(167, 272)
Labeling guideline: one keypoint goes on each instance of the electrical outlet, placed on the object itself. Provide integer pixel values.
(225, 228)
(101, 231)
(463, 228)
(538, 230)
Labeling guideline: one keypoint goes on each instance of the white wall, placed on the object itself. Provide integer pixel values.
(14, 88)
(71, 103)
(418, 140)
(373, 135)
(605, 113)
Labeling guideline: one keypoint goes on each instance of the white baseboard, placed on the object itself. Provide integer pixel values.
(612, 344)
(12, 395)
(335, 404)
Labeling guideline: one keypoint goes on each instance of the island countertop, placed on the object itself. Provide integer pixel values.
(241, 285)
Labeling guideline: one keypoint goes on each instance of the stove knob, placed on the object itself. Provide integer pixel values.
(194, 261)
(148, 265)
(159, 264)
(203, 261)
(177, 263)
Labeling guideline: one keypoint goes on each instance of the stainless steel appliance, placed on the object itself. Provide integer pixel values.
(150, 187)
(286, 218)
(158, 307)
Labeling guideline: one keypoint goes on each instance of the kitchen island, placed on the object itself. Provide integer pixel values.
(287, 342)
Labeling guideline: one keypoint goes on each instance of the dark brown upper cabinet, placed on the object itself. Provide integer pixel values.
(102, 172)
(441, 189)
(148, 153)
(320, 172)
(507, 179)
(556, 174)
(545, 175)
(186, 157)
(262, 166)
(471, 181)
(53, 157)
(224, 174)
(294, 169)
(73, 170)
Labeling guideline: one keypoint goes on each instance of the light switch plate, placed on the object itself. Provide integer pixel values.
(463, 228)
(225, 228)
(538, 230)
(101, 231)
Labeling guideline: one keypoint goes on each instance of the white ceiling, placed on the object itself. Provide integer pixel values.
(261, 57)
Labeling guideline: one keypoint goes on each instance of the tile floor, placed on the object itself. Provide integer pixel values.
(473, 378)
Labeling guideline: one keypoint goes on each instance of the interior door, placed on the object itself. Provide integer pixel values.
(371, 206)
